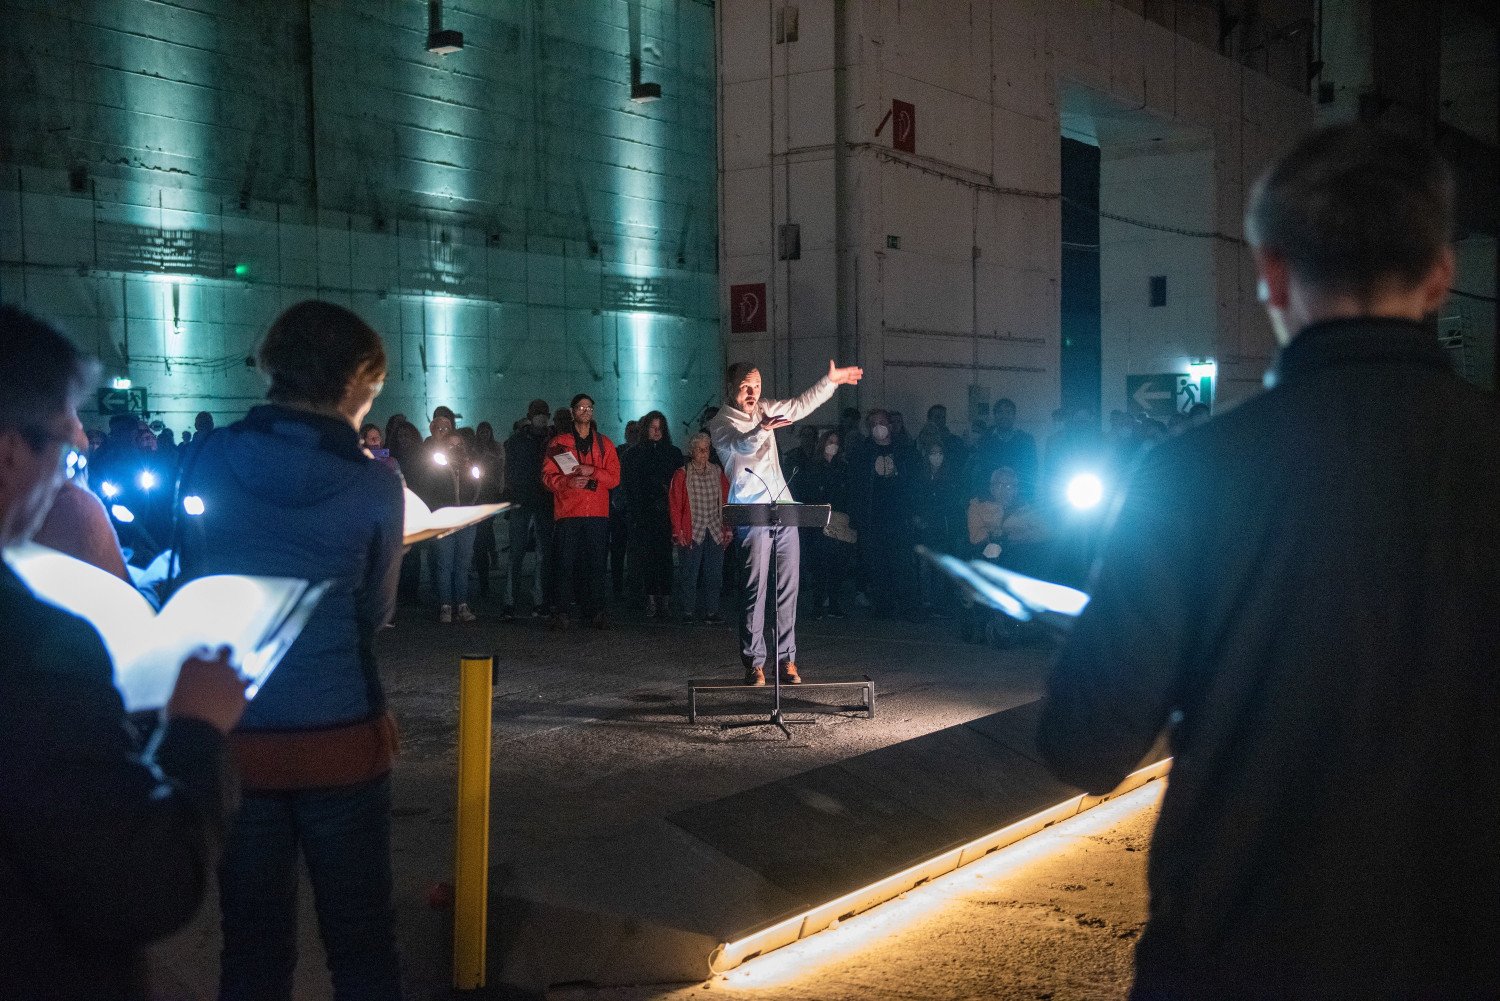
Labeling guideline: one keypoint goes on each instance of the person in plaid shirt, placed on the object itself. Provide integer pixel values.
(696, 498)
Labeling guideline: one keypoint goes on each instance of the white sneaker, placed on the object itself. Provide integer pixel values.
(445, 614)
(464, 615)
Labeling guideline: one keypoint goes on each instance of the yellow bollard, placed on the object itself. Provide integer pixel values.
(471, 854)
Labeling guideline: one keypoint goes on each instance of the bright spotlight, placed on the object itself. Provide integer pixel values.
(192, 504)
(1085, 491)
(474, 472)
(122, 514)
(109, 490)
(147, 480)
(441, 458)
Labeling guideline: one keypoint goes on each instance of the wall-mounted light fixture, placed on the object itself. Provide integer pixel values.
(641, 92)
(441, 41)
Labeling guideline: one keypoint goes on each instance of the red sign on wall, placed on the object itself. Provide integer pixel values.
(904, 126)
(747, 308)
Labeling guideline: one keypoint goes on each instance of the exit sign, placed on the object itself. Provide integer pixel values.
(1167, 393)
(122, 401)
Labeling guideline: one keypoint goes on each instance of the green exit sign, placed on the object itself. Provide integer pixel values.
(122, 401)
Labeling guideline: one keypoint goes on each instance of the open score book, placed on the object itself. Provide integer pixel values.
(423, 523)
(1023, 598)
(258, 618)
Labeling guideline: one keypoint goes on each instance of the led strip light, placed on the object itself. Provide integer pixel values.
(729, 955)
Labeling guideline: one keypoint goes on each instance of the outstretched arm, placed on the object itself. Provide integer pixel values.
(780, 413)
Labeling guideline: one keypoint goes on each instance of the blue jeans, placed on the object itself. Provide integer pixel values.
(700, 568)
(526, 523)
(756, 544)
(344, 836)
(453, 556)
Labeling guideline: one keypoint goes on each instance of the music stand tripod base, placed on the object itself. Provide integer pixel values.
(787, 516)
(776, 720)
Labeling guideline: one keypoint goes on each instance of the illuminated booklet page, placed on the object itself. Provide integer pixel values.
(423, 523)
(258, 618)
(1017, 595)
(1037, 595)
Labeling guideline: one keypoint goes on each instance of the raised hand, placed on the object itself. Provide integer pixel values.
(844, 376)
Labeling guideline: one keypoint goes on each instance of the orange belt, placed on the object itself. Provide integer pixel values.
(284, 760)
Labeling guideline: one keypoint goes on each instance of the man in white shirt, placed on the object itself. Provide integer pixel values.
(744, 435)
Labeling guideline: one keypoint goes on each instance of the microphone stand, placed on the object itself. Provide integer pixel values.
(774, 524)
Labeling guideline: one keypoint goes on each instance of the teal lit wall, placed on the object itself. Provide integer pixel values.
(509, 220)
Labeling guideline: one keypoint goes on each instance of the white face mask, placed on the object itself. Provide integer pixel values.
(880, 433)
(935, 459)
(830, 450)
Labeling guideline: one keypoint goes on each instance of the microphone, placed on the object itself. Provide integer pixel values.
(773, 493)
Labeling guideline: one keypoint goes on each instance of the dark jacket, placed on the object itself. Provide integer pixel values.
(645, 476)
(940, 502)
(1017, 451)
(103, 848)
(1305, 595)
(882, 504)
(823, 482)
(449, 483)
(524, 450)
(289, 494)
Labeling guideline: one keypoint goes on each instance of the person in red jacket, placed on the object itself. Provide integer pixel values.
(696, 500)
(580, 469)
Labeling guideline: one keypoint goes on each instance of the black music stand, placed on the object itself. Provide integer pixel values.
(786, 515)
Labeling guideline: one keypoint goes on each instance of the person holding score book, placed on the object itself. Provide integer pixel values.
(288, 492)
(1303, 596)
(446, 475)
(581, 467)
(104, 845)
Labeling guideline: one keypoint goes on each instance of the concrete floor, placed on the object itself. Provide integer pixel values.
(591, 734)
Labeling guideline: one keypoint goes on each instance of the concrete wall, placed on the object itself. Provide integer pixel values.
(171, 176)
(1173, 187)
(963, 303)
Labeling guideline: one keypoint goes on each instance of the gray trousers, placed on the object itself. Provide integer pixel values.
(756, 544)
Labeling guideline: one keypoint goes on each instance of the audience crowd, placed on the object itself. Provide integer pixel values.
(634, 525)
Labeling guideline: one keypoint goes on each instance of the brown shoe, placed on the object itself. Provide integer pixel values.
(755, 676)
(789, 675)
